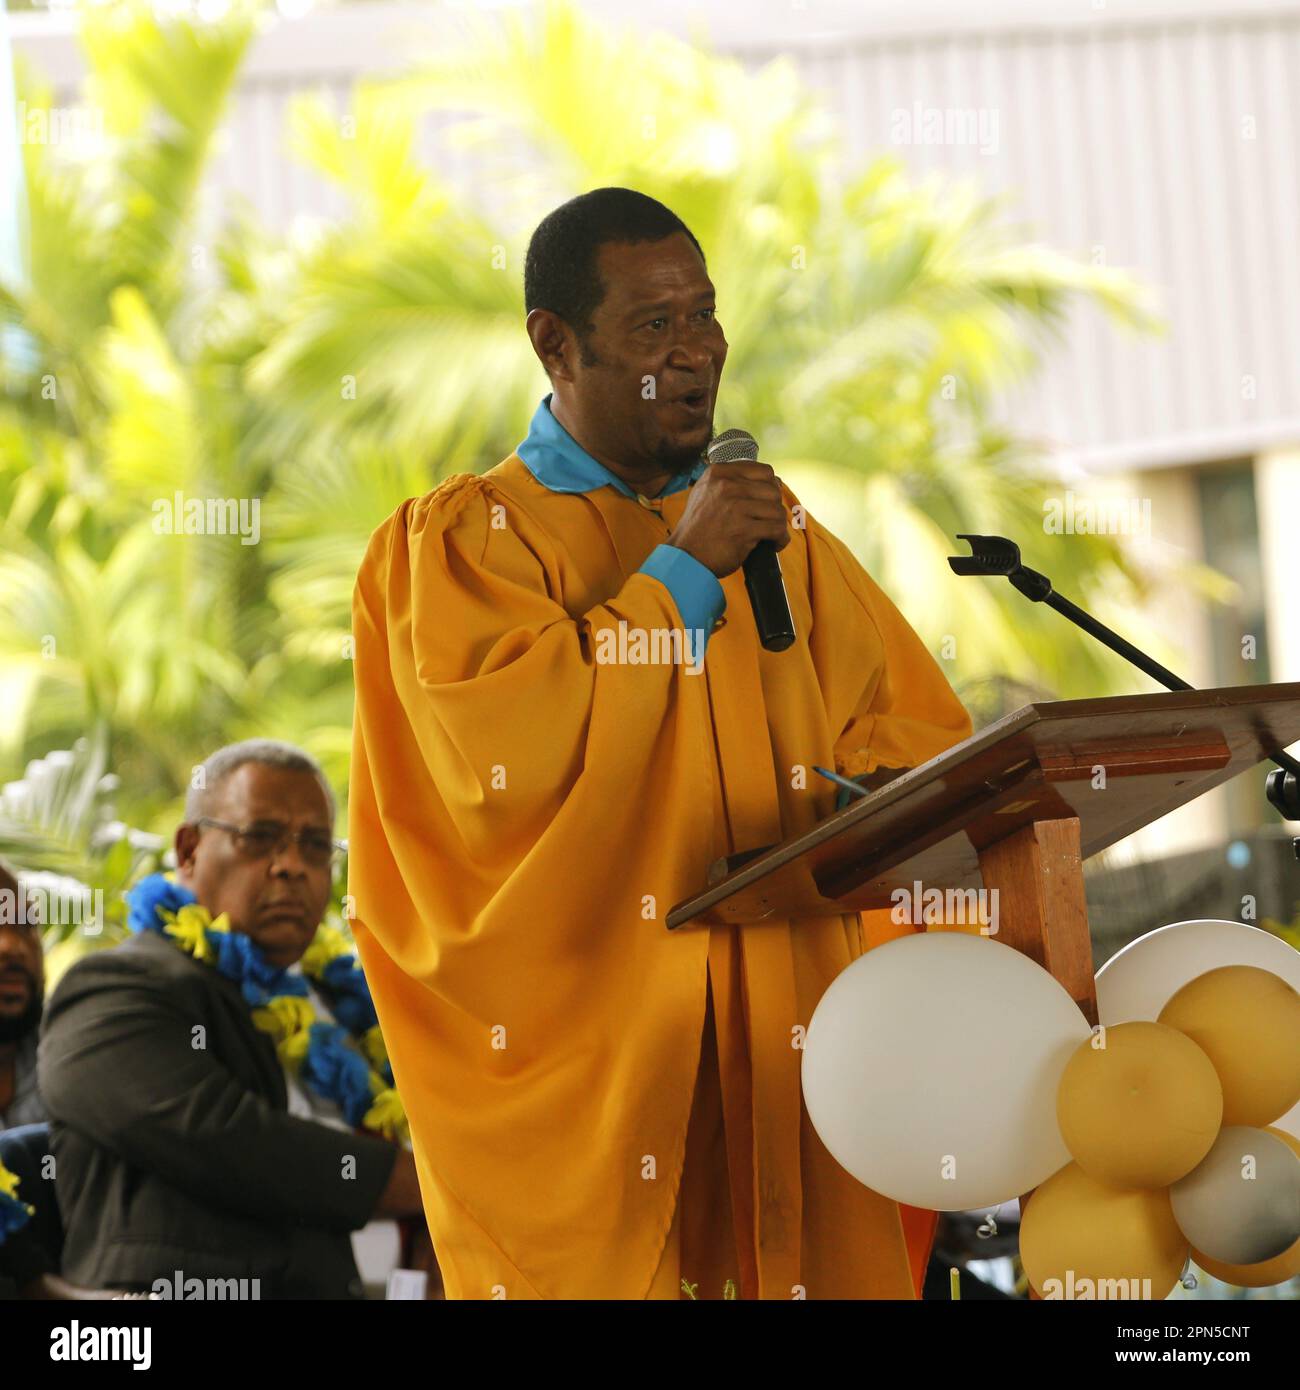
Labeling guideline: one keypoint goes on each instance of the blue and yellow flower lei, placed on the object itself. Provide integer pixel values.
(345, 1062)
(14, 1212)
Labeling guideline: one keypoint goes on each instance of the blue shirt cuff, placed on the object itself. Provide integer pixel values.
(694, 587)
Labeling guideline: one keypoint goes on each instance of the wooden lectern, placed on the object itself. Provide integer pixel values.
(1016, 807)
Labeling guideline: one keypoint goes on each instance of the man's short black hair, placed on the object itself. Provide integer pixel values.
(560, 269)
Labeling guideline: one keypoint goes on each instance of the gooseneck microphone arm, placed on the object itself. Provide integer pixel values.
(995, 555)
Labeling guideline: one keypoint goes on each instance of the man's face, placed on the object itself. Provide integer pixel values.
(22, 966)
(275, 895)
(656, 322)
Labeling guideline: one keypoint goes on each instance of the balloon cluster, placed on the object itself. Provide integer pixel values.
(1166, 1123)
(1178, 1119)
(951, 1072)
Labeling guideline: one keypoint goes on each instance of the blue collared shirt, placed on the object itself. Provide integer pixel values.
(560, 463)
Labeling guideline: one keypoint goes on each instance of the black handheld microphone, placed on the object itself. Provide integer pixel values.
(763, 577)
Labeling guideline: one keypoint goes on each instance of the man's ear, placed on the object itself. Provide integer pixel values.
(185, 844)
(553, 342)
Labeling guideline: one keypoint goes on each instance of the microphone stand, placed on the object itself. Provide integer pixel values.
(994, 555)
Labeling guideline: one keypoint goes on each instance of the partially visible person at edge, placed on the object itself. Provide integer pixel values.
(22, 998)
(26, 1267)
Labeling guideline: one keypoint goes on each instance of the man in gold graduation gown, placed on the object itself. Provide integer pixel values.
(601, 1108)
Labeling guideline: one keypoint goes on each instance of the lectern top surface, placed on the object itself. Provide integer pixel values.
(1117, 763)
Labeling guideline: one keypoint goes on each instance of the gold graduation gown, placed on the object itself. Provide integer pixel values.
(523, 815)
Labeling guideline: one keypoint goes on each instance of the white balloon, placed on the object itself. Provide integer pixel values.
(930, 1070)
(1139, 980)
(1237, 1213)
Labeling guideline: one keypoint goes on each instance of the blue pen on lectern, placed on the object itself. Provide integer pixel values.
(842, 781)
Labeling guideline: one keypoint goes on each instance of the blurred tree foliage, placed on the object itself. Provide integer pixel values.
(873, 323)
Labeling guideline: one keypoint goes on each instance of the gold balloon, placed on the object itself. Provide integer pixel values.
(1247, 1021)
(1258, 1276)
(1139, 1105)
(1082, 1239)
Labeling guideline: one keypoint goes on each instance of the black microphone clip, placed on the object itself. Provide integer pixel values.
(997, 555)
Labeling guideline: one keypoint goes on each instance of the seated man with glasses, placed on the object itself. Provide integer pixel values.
(184, 1149)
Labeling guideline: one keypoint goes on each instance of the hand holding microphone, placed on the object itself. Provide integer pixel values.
(735, 516)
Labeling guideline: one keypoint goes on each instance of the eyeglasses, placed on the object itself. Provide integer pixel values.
(265, 838)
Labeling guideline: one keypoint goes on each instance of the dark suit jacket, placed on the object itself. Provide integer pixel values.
(173, 1146)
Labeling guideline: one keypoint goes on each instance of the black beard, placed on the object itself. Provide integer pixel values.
(14, 1028)
(679, 460)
